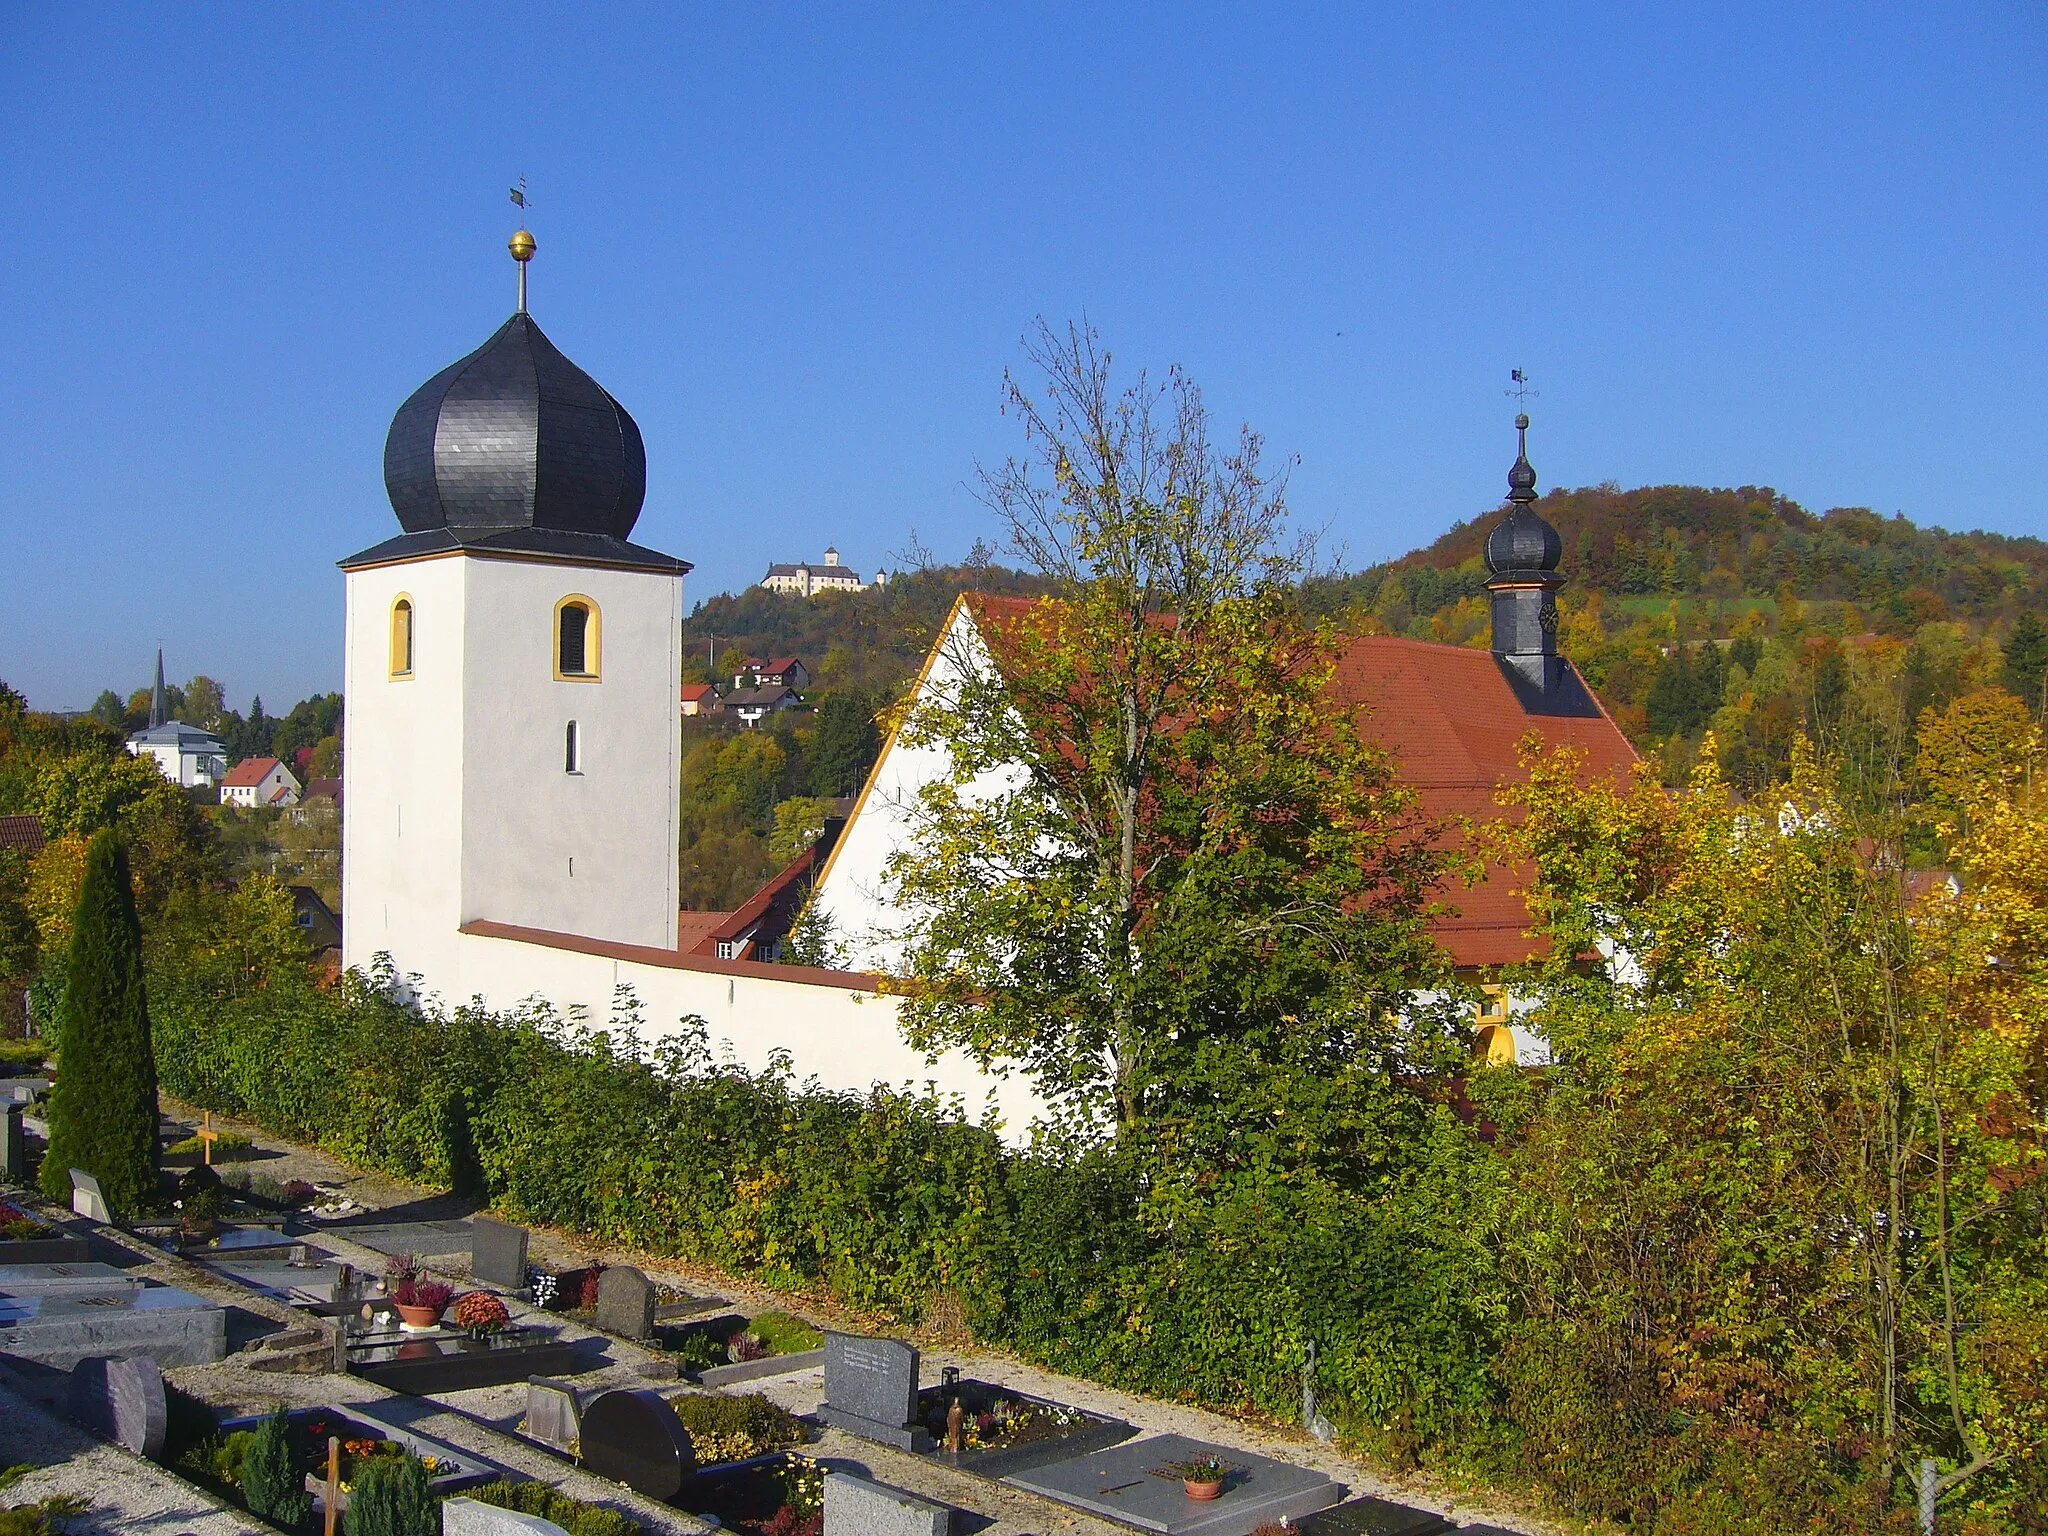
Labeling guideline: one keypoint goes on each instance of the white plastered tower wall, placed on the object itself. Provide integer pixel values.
(459, 802)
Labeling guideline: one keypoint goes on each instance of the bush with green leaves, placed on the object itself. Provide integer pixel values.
(390, 1498)
(272, 1484)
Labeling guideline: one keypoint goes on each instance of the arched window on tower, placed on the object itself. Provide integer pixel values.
(572, 750)
(576, 637)
(401, 636)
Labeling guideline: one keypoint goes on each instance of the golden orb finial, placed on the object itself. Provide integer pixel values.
(521, 245)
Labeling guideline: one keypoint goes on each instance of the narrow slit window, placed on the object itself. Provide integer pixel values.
(572, 750)
(401, 638)
(576, 639)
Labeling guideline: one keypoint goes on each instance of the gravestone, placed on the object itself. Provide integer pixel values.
(625, 1303)
(121, 1401)
(1368, 1516)
(14, 1149)
(635, 1438)
(497, 1253)
(553, 1416)
(467, 1517)
(857, 1506)
(1131, 1483)
(871, 1390)
(86, 1199)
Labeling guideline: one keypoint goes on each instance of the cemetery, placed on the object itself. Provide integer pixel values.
(354, 1318)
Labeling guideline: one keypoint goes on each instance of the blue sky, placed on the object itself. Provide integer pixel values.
(1787, 245)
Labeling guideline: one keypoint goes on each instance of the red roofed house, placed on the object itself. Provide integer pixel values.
(22, 833)
(259, 782)
(701, 699)
(1452, 716)
(785, 670)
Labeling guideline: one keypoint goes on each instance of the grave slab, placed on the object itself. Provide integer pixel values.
(60, 1327)
(87, 1199)
(467, 1517)
(424, 1364)
(87, 1277)
(1368, 1516)
(497, 1253)
(432, 1238)
(871, 1390)
(625, 1302)
(554, 1416)
(858, 1506)
(284, 1280)
(122, 1401)
(635, 1438)
(1120, 1484)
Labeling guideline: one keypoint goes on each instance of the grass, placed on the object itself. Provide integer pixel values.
(785, 1334)
(228, 1147)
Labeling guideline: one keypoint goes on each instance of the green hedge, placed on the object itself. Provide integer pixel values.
(890, 1204)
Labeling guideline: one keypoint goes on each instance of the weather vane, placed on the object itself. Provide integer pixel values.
(1520, 390)
(521, 244)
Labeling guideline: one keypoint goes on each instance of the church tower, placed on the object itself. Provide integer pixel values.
(513, 663)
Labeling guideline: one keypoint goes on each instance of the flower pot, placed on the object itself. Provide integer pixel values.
(1202, 1489)
(418, 1317)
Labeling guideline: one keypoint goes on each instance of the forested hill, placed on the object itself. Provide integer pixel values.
(1687, 541)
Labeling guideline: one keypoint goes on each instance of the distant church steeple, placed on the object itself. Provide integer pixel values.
(159, 702)
(1522, 553)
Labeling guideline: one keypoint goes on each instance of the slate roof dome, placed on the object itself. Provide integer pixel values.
(514, 450)
(1523, 541)
(515, 436)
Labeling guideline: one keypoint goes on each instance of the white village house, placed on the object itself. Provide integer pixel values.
(260, 782)
(513, 664)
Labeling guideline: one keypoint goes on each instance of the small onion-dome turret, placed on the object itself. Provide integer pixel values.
(1522, 542)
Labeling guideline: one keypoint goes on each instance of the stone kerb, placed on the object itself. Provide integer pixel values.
(858, 1506)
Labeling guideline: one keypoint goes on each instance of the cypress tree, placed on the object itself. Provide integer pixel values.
(103, 1107)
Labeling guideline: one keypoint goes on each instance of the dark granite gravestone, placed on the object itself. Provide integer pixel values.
(871, 1390)
(858, 1506)
(1131, 1483)
(635, 1438)
(625, 1303)
(14, 1149)
(121, 1401)
(497, 1253)
(553, 1416)
(1368, 1516)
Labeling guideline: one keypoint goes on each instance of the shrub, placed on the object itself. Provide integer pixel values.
(733, 1428)
(390, 1498)
(16, 1054)
(785, 1334)
(228, 1147)
(272, 1484)
(572, 1515)
(103, 1111)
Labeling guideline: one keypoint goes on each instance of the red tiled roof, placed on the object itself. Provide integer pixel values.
(692, 926)
(757, 905)
(695, 692)
(324, 789)
(23, 832)
(779, 664)
(249, 771)
(1454, 724)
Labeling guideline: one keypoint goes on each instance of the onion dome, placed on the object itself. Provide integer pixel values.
(514, 449)
(1522, 542)
(515, 436)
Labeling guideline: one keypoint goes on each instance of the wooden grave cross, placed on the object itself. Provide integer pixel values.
(207, 1137)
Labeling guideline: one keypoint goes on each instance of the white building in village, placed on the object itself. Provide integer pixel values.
(184, 754)
(513, 665)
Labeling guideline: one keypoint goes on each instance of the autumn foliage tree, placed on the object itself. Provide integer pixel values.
(1778, 1206)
